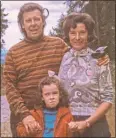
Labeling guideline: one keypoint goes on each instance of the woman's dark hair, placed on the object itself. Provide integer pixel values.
(71, 21)
(63, 93)
(30, 7)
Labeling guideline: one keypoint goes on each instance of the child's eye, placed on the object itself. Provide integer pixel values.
(47, 94)
(55, 93)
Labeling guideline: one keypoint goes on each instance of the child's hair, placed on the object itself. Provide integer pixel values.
(63, 93)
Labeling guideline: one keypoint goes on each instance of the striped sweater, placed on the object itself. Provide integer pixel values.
(26, 63)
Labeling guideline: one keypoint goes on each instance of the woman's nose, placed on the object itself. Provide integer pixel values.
(77, 36)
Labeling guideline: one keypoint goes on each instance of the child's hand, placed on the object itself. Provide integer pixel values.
(72, 126)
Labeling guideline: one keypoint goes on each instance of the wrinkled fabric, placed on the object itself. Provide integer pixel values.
(63, 117)
(88, 84)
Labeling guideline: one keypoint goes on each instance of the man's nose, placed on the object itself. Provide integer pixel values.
(33, 22)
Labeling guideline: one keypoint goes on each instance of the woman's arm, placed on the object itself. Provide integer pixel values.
(106, 97)
(106, 94)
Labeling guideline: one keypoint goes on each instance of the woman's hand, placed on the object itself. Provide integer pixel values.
(72, 126)
(31, 125)
(103, 60)
(78, 126)
(81, 126)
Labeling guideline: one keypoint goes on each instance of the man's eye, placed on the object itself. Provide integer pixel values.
(28, 21)
(37, 19)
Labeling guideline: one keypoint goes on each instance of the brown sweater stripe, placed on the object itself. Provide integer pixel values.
(26, 63)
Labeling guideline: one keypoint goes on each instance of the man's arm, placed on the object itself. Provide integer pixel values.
(13, 95)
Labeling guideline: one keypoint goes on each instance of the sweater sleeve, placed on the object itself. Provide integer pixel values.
(105, 84)
(64, 47)
(61, 73)
(21, 131)
(13, 95)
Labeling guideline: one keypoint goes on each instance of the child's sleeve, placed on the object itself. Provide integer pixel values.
(69, 133)
(21, 131)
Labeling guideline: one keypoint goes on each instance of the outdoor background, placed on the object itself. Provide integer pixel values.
(103, 13)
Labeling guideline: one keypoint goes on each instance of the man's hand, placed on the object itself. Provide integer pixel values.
(103, 60)
(31, 125)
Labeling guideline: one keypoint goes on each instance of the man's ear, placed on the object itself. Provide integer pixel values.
(42, 99)
(44, 24)
(23, 26)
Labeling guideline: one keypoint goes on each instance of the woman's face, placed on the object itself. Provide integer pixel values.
(78, 37)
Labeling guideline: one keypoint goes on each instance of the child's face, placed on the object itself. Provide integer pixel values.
(50, 95)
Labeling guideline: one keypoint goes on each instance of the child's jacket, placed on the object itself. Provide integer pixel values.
(63, 117)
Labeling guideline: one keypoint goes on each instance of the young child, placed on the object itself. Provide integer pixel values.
(54, 114)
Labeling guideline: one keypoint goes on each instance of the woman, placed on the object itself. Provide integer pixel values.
(89, 85)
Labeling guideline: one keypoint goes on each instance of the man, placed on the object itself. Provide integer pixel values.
(29, 61)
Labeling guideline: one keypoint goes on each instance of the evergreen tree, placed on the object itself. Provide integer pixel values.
(58, 32)
(4, 25)
(103, 12)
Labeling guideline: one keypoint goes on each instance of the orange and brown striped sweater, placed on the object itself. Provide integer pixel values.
(26, 63)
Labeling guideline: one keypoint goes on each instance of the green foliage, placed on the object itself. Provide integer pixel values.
(103, 13)
(58, 32)
(4, 24)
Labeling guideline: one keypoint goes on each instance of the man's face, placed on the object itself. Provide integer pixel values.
(50, 95)
(33, 24)
(78, 37)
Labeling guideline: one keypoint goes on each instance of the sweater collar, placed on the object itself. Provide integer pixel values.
(41, 38)
(81, 53)
(63, 111)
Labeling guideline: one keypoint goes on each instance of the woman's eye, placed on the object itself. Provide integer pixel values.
(72, 33)
(82, 32)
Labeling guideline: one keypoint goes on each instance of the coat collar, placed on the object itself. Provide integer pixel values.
(61, 112)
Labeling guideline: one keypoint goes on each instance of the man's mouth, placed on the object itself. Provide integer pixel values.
(52, 102)
(34, 31)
